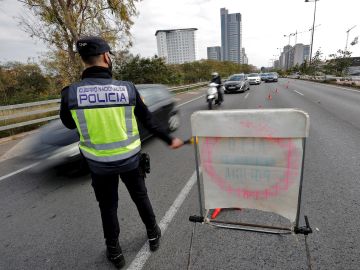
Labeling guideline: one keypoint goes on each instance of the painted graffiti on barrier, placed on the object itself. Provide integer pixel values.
(261, 167)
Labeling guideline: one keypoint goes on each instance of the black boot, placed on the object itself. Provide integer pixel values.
(154, 237)
(114, 253)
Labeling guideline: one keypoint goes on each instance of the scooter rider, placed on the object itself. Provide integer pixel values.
(215, 78)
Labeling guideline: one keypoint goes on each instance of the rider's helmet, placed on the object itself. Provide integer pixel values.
(214, 75)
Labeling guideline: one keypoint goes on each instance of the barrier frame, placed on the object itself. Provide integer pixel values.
(253, 227)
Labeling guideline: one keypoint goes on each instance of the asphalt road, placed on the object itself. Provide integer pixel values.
(49, 218)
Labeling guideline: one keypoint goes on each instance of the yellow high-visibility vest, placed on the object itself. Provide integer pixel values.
(103, 110)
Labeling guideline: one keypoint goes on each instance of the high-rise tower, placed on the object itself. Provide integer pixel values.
(231, 36)
(177, 46)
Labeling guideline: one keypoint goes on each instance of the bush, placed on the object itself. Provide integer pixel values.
(155, 70)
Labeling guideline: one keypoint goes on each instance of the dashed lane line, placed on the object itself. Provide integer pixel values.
(298, 92)
(180, 105)
(246, 96)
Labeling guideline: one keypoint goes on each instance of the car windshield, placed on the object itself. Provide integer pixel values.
(236, 78)
(253, 75)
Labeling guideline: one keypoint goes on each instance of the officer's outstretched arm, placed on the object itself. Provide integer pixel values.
(176, 143)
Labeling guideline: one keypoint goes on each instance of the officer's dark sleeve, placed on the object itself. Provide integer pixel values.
(65, 114)
(143, 114)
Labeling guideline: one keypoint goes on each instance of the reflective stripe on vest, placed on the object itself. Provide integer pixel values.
(113, 157)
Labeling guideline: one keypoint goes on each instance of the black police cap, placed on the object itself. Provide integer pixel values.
(92, 45)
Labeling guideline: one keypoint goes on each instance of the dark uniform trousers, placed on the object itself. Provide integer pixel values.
(106, 192)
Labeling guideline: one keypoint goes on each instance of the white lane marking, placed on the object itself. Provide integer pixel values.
(144, 254)
(298, 92)
(19, 171)
(180, 105)
(246, 96)
(37, 163)
(33, 165)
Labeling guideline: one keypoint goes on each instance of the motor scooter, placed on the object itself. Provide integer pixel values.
(212, 96)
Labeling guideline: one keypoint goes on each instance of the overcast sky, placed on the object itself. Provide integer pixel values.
(264, 24)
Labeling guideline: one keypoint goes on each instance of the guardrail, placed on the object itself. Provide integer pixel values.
(56, 107)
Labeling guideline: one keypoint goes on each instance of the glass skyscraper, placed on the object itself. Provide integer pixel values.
(231, 36)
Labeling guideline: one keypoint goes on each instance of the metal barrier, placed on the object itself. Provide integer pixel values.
(56, 108)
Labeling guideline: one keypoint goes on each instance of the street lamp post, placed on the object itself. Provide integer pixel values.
(347, 36)
(275, 59)
(312, 34)
(280, 64)
(288, 51)
(273, 62)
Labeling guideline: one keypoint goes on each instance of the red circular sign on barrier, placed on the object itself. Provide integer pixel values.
(291, 156)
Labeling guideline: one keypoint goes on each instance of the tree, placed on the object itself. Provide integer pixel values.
(316, 62)
(339, 63)
(295, 68)
(144, 70)
(61, 22)
(22, 82)
(304, 67)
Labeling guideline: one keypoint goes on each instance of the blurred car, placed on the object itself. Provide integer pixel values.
(271, 77)
(263, 76)
(254, 78)
(237, 83)
(55, 140)
(295, 75)
(161, 103)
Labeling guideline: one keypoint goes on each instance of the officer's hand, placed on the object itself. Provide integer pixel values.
(176, 143)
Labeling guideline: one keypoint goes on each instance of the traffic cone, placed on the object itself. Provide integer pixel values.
(269, 97)
(215, 213)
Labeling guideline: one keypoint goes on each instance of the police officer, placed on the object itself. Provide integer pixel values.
(105, 113)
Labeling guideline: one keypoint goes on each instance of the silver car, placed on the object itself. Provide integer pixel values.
(254, 78)
(237, 83)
